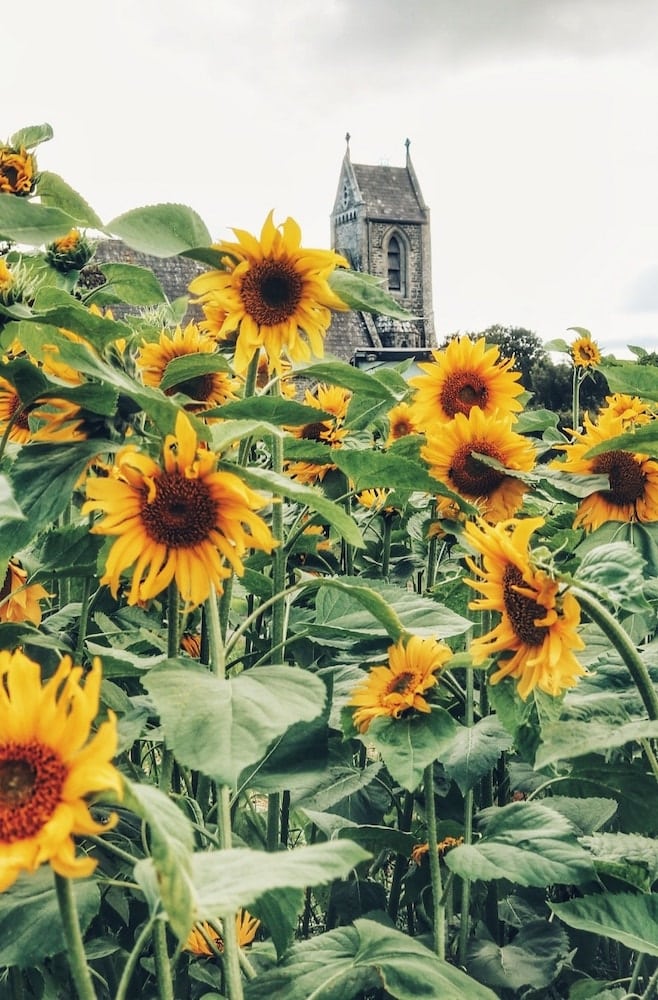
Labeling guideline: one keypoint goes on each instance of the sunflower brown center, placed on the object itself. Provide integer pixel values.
(401, 428)
(200, 387)
(400, 683)
(626, 477)
(471, 476)
(521, 610)
(462, 391)
(313, 432)
(271, 292)
(182, 514)
(31, 780)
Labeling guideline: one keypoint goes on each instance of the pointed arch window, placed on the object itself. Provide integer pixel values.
(396, 265)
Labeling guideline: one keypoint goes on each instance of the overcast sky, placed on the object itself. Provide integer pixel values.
(533, 128)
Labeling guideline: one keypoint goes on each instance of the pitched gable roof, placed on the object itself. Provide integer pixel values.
(389, 193)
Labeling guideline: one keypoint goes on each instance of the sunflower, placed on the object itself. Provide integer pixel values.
(59, 421)
(11, 405)
(401, 422)
(633, 477)
(207, 390)
(190, 642)
(275, 294)
(19, 601)
(631, 410)
(538, 621)
(334, 400)
(421, 851)
(375, 499)
(61, 369)
(585, 352)
(70, 252)
(49, 765)
(264, 377)
(202, 934)
(181, 520)
(463, 375)
(17, 171)
(401, 686)
(448, 453)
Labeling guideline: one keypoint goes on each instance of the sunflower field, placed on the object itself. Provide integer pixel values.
(316, 683)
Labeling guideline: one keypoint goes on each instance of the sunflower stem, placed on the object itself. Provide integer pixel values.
(439, 926)
(129, 967)
(401, 861)
(161, 958)
(74, 946)
(432, 550)
(83, 619)
(224, 829)
(386, 545)
(16, 983)
(464, 924)
(575, 399)
(622, 643)
(173, 641)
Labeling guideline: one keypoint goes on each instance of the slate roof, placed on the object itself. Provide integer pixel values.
(388, 193)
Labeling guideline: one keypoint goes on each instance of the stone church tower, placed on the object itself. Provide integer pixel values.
(381, 224)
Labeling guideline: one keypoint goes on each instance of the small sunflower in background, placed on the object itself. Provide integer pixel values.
(584, 351)
(449, 455)
(633, 476)
(204, 941)
(400, 685)
(537, 633)
(331, 432)
(182, 520)
(70, 252)
(631, 410)
(274, 294)
(207, 390)
(49, 763)
(464, 375)
(19, 601)
(401, 422)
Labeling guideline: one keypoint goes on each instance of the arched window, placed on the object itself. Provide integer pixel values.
(396, 265)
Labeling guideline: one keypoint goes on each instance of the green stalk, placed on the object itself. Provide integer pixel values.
(621, 642)
(16, 983)
(74, 947)
(401, 861)
(129, 967)
(439, 925)
(83, 619)
(575, 399)
(465, 920)
(231, 947)
(386, 544)
(173, 642)
(650, 992)
(161, 958)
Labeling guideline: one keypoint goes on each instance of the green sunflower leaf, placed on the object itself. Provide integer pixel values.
(24, 221)
(534, 958)
(171, 839)
(409, 744)
(474, 751)
(129, 284)
(337, 372)
(572, 738)
(615, 572)
(220, 727)
(30, 922)
(628, 917)
(368, 955)
(524, 842)
(192, 366)
(56, 193)
(636, 380)
(366, 293)
(31, 136)
(272, 409)
(162, 230)
(372, 469)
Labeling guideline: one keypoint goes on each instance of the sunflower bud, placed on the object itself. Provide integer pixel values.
(70, 252)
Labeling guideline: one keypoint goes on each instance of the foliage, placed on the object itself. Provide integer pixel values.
(469, 842)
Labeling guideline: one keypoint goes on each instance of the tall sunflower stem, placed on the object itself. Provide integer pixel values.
(575, 399)
(465, 920)
(439, 927)
(622, 643)
(432, 551)
(161, 959)
(224, 828)
(173, 641)
(386, 545)
(74, 946)
(131, 962)
(83, 619)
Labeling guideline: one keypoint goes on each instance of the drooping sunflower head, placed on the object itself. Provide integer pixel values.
(207, 390)
(179, 520)
(463, 375)
(537, 631)
(330, 432)
(585, 352)
(12, 409)
(18, 171)
(401, 422)
(274, 293)
(49, 764)
(400, 686)
(451, 451)
(633, 476)
(19, 601)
